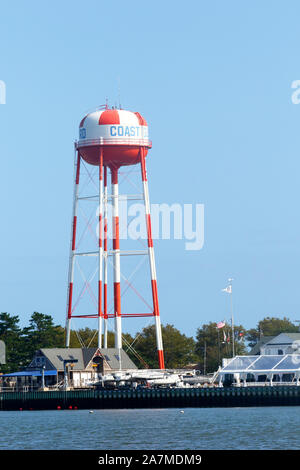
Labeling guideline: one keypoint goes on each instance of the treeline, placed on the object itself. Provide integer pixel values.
(206, 350)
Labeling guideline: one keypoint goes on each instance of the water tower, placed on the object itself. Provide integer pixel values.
(108, 140)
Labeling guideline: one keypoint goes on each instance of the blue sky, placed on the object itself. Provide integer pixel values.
(213, 79)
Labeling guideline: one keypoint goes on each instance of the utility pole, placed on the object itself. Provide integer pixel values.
(231, 311)
(228, 289)
(219, 352)
(204, 362)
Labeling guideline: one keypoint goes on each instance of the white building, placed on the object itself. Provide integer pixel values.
(279, 369)
(284, 343)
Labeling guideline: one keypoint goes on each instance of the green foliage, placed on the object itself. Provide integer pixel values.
(84, 336)
(41, 333)
(273, 326)
(178, 348)
(270, 326)
(211, 346)
(10, 333)
(253, 336)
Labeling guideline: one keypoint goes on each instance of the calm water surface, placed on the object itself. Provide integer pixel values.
(196, 428)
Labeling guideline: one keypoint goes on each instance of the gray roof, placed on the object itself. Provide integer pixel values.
(263, 340)
(111, 355)
(56, 357)
(293, 336)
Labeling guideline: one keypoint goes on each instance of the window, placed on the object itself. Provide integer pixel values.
(280, 352)
(40, 361)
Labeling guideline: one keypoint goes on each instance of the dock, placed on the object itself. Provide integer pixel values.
(151, 398)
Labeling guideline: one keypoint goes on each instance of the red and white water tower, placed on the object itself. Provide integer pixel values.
(111, 139)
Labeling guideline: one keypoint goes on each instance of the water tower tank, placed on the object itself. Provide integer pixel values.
(119, 132)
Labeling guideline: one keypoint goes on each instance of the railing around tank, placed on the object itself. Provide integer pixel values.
(132, 142)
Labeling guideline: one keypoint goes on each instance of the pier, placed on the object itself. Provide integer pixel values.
(151, 398)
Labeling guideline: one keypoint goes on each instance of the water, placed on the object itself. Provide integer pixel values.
(195, 429)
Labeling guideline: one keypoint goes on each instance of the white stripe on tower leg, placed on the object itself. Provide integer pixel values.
(116, 259)
(72, 249)
(159, 342)
(100, 248)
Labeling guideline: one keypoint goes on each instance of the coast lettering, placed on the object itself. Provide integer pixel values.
(128, 131)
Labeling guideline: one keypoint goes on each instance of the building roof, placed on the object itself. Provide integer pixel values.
(111, 355)
(29, 373)
(56, 357)
(293, 336)
(263, 364)
(263, 340)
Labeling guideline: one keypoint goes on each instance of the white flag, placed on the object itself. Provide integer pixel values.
(224, 337)
(227, 289)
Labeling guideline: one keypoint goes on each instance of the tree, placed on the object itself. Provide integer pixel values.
(41, 333)
(213, 344)
(84, 337)
(178, 348)
(270, 326)
(88, 338)
(10, 333)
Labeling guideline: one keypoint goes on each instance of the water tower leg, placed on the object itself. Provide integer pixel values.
(105, 260)
(159, 342)
(72, 251)
(116, 258)
(100, 247)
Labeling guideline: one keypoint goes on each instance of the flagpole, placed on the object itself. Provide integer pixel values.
(232, 320)
(204, 371)
(219, 355)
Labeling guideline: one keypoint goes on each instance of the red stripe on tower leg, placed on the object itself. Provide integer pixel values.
(161, 360)
(109, 116)
(143, 165)
(155, 297)
(105, 234)
(105, 218)
(105, 248)
(70, 300)
(74, 232)
(99, 298)
(117, 299)
(116, 237)
(78, 168)
(105, 301)
(114, 175)
(149, 231)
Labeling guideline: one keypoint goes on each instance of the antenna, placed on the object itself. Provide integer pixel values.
(119, 92)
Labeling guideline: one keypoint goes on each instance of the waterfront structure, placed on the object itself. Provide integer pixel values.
(108, 140)
(80, 365)
(284, 343)
(266, 368)
(151, 398)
